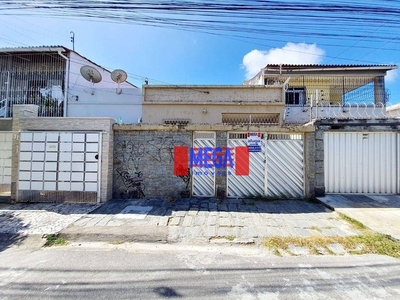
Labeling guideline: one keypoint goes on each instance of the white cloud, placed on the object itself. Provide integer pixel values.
(391, 76)
(291, 53)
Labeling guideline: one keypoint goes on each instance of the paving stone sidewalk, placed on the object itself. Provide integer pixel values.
(206, 221)
(40, 218)
(202, 221)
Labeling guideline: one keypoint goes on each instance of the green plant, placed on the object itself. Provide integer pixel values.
(54, 240)
(366, 243)
(230, 237)
(354, 223)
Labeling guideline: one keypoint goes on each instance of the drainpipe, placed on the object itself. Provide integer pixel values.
(66, 84)
(7, 94)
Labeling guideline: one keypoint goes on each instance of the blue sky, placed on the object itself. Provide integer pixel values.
(174, 56)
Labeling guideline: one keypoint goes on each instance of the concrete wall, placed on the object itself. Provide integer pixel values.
(107, 103)
(5, 124)
(206, 104)
(101, 99)
(203, 113)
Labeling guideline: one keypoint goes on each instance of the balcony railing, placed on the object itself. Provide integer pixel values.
(306, 113)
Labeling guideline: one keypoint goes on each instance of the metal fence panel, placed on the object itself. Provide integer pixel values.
(253, 184)
(285, 166)
(203, 179)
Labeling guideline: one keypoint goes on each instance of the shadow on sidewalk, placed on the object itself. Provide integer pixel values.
(10, 227)
(158, 207)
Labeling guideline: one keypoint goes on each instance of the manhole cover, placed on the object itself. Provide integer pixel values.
(135, 212)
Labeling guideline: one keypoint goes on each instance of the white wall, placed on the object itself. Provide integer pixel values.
(86, 99)
(106, 103)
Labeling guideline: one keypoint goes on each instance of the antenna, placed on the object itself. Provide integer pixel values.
(73, 40)
(91, 75)
(119, 76)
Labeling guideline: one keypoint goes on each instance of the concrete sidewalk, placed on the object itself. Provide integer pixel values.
(203, 221)
(378, 213)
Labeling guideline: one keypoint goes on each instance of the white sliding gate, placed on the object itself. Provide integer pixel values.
(361, 162)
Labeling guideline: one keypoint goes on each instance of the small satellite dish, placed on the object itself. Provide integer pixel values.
(90, 74)
(119, 76)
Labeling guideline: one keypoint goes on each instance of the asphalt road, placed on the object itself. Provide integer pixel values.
(157, 271)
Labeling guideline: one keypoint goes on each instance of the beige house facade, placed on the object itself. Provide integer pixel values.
(213, 104)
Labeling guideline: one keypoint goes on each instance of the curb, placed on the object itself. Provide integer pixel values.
(148, 234)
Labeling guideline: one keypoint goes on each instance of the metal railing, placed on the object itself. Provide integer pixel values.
(355, 111)
(3, 108)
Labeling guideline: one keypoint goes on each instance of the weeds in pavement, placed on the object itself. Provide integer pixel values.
(116, 242)
(54, 240)
(354, 223)
(316, 228)
(366, 243)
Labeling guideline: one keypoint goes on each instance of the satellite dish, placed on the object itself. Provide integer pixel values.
(119, 76)
(90, 74)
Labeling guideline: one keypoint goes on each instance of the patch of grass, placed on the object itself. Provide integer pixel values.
(54, 240)
(117, 243)
(316, 228)
(367, 243)
(354, 223)
(230, 237)
(277, 253)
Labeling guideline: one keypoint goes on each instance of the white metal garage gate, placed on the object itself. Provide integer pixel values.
(361, 162)
(60, 161)
(277, 171)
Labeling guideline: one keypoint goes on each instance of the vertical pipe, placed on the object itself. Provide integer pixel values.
(100, 167)
(7, 94)
(66, 84)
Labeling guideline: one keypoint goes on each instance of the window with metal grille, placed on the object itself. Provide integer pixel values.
(283, 136)
(296, 95)
(176, 121)
(237, 119)
(241, 136)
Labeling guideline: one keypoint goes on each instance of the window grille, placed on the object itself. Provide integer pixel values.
(176, 121)
(257, 119)
(281, 136)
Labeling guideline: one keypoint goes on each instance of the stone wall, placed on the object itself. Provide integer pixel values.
(144, 164)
